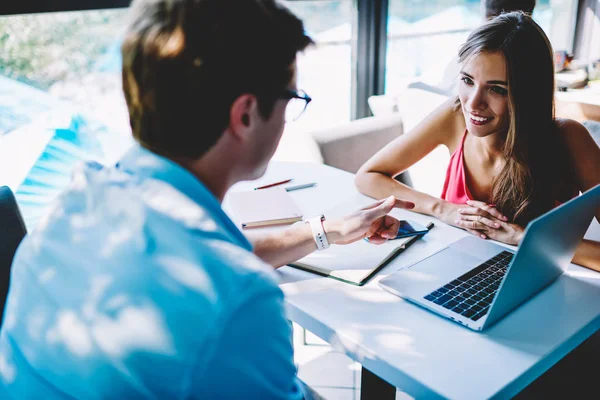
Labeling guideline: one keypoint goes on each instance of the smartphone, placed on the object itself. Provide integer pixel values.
(410, 228)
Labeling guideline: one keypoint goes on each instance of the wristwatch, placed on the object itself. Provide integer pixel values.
(316, 225)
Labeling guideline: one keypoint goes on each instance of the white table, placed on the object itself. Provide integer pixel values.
(415, 350)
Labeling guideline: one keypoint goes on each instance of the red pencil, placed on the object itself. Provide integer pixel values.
(273, 184)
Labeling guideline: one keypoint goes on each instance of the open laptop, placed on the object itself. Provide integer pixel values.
(475, 282)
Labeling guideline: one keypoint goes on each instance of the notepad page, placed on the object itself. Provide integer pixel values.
(353, 261)
(263, 205)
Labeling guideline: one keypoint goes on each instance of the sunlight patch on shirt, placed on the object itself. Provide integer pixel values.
(166, 200)
(116, 302)
(98, 286)
(7, 370)
(11, 310)
(35, 323)
(188, 274)
(126, 219)
(134, 329)
(234, 255)
(72, 333)
(79, 179)
(87, 220)
(46, 275)
(148, 162)
(116, 238)
(55, 212)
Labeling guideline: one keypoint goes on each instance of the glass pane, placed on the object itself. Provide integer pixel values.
(424, 37)
(324, 72)
(60, 100)
(72, 56)
(557, 18)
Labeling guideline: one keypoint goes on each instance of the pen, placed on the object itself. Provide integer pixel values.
(304, 186)
(273, 184)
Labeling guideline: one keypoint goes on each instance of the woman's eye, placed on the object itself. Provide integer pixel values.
(466, 80)
(499, 90)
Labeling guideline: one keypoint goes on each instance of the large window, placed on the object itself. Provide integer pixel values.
(324, 72)
(424, 36)
(75, 57)
(558, 19)
(325, 68)
(72, 56)
(61, 99)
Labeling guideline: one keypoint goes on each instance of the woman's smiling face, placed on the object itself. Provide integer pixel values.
(483, 94)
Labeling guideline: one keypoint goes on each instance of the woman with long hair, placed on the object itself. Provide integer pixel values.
(511, 159)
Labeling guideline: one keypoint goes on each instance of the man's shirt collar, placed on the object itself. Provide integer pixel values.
(144, 163)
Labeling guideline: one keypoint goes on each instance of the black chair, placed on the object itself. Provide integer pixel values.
(12, 231)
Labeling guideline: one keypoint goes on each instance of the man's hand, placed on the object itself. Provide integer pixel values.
(371, 222)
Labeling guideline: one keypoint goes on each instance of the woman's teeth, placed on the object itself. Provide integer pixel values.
(479, 119)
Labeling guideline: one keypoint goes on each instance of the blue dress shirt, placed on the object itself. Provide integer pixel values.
(136, 284)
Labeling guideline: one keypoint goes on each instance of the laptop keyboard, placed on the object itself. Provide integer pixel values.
(471, 294)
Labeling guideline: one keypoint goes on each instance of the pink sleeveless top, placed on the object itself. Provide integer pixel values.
(455, 187)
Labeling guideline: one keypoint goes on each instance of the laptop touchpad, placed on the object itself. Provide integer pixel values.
(431, 273)
(483, 249)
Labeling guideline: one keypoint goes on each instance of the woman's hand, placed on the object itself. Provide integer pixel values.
(472, 216)
(507, 233)
(485, 221)
(371, 222)
(478, 216)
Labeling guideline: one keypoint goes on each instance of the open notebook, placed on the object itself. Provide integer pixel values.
(358, 262)
(355, 263)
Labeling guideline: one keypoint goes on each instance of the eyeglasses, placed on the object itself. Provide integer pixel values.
(298, 101)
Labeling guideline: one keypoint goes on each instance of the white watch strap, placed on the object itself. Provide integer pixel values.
(316, 225)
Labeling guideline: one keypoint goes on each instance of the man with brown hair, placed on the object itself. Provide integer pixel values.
(137, 284)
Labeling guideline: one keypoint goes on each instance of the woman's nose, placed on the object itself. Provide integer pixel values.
(476, 100)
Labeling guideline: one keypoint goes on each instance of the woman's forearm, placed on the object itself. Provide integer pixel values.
(378, 185)
(588, 255)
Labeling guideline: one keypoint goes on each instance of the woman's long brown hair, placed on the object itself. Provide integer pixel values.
(537, 167)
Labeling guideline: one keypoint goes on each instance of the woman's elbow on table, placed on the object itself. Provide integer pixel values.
(365, 181)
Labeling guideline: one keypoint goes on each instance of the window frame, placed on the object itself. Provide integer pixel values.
(45, 6)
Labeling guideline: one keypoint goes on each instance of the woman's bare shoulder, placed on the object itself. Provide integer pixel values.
(572, 131)
(452, 123)
(444, 125)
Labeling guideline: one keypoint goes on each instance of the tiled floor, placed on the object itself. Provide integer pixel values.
(332, 374)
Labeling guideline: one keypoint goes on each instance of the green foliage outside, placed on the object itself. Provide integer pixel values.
(43, 49)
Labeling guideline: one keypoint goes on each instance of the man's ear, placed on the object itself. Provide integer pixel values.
(242, 115)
